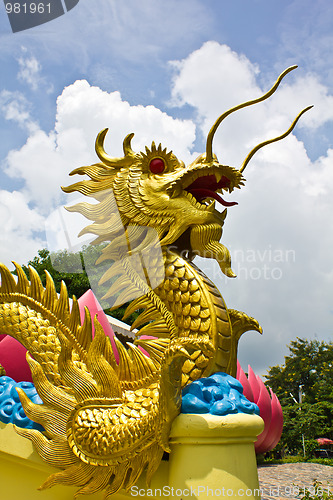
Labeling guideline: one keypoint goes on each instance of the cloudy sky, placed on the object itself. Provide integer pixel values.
(165, 69)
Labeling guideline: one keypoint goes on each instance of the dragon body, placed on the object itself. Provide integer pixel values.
(105, 422)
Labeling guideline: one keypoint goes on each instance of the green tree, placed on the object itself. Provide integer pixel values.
(309, 364)
(77, 283)
(78, 271)
(304, 386)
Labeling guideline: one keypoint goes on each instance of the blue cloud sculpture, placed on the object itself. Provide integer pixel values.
(11, 410)
(219, 394)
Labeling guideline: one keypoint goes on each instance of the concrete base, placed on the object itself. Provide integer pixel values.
(214, 456)
(211, 457)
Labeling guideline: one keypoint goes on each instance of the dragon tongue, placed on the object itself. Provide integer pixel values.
(202, 193)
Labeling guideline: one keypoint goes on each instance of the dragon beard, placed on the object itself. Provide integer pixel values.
(205, 242)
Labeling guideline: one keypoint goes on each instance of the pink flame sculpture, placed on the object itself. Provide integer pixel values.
(269, 406)
(12, 358)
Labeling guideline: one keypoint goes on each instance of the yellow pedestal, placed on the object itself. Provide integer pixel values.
(211, 457)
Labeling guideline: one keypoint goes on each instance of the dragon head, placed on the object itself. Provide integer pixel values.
(154, 189)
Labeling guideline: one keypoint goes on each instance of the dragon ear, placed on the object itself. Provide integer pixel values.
(108, 160)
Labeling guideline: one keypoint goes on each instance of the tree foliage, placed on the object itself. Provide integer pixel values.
(78, 271)
(307, 372)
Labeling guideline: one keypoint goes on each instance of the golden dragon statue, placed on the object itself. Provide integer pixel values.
(105, 422)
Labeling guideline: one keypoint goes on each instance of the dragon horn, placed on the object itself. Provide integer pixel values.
(269, 141)
(209, 144)
(108, 160)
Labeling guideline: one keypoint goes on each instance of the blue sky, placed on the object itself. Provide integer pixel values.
(165, 70)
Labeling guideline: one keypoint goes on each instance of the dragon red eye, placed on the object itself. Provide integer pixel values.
(157, 166)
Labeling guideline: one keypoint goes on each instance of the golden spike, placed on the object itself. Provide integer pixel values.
(50, 296)
(109, 355)
(50, 394)
(136, 368)
(112, 225)
(124, 297)
(62, 306)
(55, 426)
(8, 283)
(117, 482)
(74, 323)
(113, 162)
(269, 141)
(55, 452)
(209, 145)
(105, 376)
(82, 383)
(86, 328)
(122, 243)
(22, 280)
(36, 288)
(144, 365)
(120, 283)
(99, 481)
(155, 348)
(93, 171)
(139, 303)
(125, 362)
(89, 188)
(148, 315)
(240, 323)
(155, 329)
(78, 474)
(115, 269)
(95, 211)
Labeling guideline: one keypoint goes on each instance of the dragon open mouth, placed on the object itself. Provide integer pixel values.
(207, 187)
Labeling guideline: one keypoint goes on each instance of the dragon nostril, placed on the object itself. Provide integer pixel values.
(157, 166)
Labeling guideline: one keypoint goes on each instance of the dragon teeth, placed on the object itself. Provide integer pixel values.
(218, 175)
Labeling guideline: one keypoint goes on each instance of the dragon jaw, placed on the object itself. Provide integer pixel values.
(196, 190)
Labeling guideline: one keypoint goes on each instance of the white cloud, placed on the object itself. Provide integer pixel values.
(88, 109)
(20, 227)
(214, 78)
(302, 92)
(127, 32)
(14, 106)
(306, 35)
(45, 160)
(206, 79)
(29, 71)
(42, 167)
